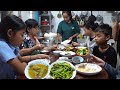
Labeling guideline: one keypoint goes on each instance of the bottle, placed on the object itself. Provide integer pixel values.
(80, 36)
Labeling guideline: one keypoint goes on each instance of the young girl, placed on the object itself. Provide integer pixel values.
(89, 29)
(104, 51)
(12, 30)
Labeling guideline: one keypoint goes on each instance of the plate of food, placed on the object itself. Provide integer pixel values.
(82, 51)
(67, 53)
(62, 70)
(88, 68)
(68, 48)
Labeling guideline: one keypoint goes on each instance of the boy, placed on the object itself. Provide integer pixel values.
(104, 51)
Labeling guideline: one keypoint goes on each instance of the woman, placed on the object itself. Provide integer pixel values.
(68, 28)
(31, 43)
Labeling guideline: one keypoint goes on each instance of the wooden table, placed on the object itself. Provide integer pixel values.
(102, 75)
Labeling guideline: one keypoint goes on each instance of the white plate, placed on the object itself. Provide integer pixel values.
(88, 68)
(66, 42)
(67, 53)
(80, 47)
(44, 51)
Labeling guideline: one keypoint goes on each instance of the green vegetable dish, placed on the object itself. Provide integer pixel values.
(61, 71)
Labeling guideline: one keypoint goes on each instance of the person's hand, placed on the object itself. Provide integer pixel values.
(39, 46)
(70, 38)
(54, 47)
(97, 60)
(24, 63)
(43, 56)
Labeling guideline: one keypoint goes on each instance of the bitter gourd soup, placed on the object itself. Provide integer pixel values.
(38, 71)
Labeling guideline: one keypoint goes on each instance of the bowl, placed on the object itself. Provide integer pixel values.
(44, 22)
(44, 51)
(88, 68)
(64, 70)
(57, 53)
(61, 47)
(33, 69)
(82, 51)
(77, 59)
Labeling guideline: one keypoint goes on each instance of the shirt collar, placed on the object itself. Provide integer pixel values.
(11, 46)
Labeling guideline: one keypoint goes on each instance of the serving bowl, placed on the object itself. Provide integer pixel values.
(37, 69)
(62, 70)
(82, 51)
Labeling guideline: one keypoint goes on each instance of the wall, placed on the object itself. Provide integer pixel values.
(55, 21)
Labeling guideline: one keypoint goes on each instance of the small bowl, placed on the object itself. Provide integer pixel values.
(77, 59)
(61, 47)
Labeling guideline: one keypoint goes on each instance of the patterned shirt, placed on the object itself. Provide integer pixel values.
(28, 43)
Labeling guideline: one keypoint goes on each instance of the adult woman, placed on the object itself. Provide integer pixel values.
(68, 28)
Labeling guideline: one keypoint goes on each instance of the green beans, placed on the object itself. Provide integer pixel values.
(61, 71)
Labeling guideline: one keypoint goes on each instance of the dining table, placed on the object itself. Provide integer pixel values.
(101, 75)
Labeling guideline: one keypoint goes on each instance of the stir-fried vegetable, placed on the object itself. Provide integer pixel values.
(61, 71)
(82, 51)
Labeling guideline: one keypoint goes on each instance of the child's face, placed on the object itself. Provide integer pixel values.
(87, 31)
(34, 31)
(101, 38)
(17, 38)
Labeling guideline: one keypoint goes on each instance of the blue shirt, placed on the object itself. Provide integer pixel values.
(7, 53)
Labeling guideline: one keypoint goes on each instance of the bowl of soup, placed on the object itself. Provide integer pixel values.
(37, 69)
